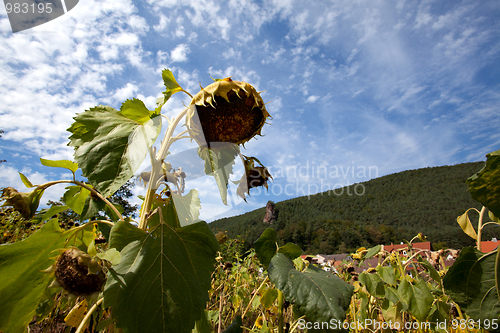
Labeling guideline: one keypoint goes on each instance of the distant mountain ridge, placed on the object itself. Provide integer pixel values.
(392, 208)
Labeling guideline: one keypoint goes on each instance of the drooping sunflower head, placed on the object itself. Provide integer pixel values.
(20, 201)
(226, 111)
(255, 176)
(78, 273)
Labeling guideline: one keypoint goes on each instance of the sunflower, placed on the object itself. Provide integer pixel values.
(77, 273)
(19, 200)
(226, 111)
(254, 177)
(259, 322)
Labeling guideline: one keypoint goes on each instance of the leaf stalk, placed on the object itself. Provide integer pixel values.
(81, 327)
(92, 190)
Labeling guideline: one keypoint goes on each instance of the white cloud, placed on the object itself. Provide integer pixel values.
(312, 99)
(179, 54)
(121, 94)
(162, 23)
(231, 53)
(51, 71)
(238, 74)
(274, 56)
(138, 23)
(274, 106)
(179, 32)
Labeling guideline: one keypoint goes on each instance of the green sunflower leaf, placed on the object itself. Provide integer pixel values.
(161, 283)
(110, 145)
(70, 165)
(321, 296)
(22, 280)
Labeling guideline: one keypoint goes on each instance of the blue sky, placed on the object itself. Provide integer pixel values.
(357, 89)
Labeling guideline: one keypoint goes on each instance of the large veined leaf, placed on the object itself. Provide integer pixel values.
(75, 198)
(92, 207)
(203, 325)
(110, 145)
(417, 297)
(387, 274)
(321, 296)
(268, 297)
(187, 207)
(372, 251)
(472, 282)
(22, 282)
(266, 247)
(290, 250)
(484, 186)
(162, 281)
(168, 210)
(373, 284)
(219, 161)
(440, 313)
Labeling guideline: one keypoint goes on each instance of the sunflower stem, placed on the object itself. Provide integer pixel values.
(81, 327)
(156, 166)
(280, 311)
(255, 294)
(167, 141)
(480, 227)
(146, 205)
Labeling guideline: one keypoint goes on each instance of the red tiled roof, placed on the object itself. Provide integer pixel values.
(489, 246)
(420, 246)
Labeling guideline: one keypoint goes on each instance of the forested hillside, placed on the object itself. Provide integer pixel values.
(393, 208)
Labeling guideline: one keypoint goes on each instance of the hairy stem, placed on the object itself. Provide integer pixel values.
(156, 166)
(167, 141)
(146, 205)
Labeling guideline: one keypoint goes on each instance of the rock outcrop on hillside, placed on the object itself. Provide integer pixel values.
(271, 214)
